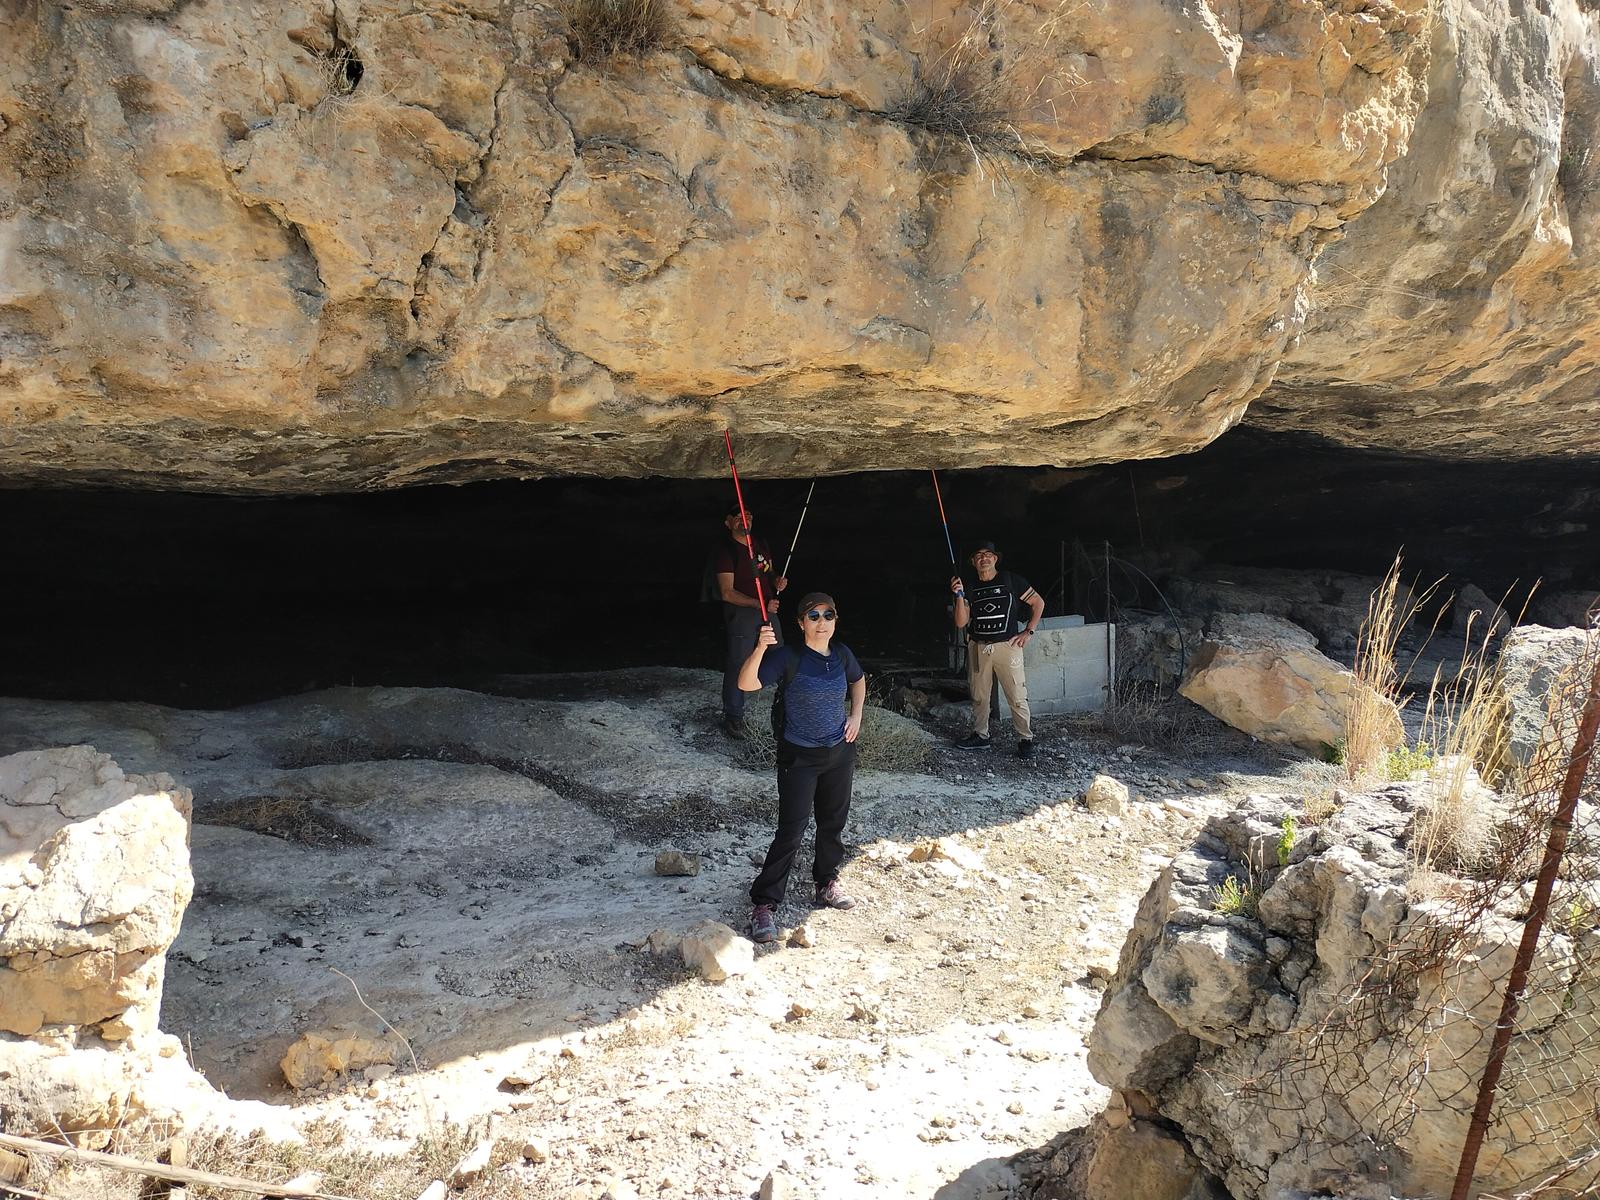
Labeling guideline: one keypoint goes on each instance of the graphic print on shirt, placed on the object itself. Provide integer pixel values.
(991, 605)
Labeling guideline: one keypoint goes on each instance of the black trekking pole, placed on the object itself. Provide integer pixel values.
(796, 539)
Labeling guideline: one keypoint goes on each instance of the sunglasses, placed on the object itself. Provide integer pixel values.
(821, 614)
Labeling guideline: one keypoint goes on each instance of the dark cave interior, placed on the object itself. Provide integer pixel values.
(207, 600)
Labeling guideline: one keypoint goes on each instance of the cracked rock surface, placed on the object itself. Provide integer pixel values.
(324, 246)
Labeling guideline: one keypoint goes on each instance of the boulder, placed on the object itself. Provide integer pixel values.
(94, 879)
(1106, 795)
(1264, 675)
(676, 862)
(1560, 609)
(323, 1055)
(1142, 1159)
(1536, 669)
(1117, 1158)
(1473, 614)
(716, 952)
(1243, 1035)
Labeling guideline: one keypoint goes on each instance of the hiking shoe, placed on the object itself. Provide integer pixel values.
(973, 741)
(1025, 748)
(763, 924)
(734, 729)
(831, 895)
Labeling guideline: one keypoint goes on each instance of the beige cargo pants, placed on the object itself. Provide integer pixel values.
(986, 662)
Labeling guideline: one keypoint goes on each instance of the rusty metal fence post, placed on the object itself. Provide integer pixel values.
(1555, 849)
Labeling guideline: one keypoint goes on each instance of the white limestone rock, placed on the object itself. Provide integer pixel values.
(716, 952)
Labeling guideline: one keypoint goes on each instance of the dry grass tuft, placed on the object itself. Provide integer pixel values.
(604, 28)
(975, 89)
(1463, 729)
(1369, 723)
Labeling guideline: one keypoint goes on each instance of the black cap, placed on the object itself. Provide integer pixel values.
(733, 510)
(989, 546)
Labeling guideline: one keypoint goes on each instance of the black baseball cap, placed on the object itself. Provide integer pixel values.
(989, 546)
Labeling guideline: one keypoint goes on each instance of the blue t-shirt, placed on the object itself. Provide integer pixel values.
(814, 704)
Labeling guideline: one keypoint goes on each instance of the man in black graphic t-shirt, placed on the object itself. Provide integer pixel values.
(741, 611)
(999, 610)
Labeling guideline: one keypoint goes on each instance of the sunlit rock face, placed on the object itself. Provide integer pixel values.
(312, 247)
(1458, 316)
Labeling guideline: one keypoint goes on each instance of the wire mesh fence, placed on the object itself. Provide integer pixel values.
(1411, 1037)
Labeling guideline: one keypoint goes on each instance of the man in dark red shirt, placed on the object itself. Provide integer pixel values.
(741, 611)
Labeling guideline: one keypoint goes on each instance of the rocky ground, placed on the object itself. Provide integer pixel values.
(481, 867)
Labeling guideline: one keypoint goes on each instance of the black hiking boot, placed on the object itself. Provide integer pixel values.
(734, 729)
(973, 741)
(1025, 748)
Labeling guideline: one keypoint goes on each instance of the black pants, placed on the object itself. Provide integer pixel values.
(740, 627)
(808, 779)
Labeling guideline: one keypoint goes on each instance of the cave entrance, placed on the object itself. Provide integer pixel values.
(206, 600)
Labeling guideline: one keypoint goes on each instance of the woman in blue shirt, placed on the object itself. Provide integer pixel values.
(823, 691)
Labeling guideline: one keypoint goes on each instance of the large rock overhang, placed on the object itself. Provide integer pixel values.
(232, 262)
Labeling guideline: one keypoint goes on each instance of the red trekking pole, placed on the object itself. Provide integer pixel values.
(744, 519)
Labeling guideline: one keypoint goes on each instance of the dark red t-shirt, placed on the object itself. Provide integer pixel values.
(733, 557)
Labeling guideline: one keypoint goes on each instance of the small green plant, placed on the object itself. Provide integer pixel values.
(603, 28)
(1403, 761)
(1236, 899)
(1579, 919)
(1336, 752)
(1286, 840)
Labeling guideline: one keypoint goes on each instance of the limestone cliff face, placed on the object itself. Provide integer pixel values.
(323, 246)
(1461, 314)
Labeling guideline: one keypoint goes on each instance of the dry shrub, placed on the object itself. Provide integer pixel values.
(603, 28)
(1464, 730)
(1456, 828)
(1140, 717)
(1320, 806)
(974, 90)
(1369, 721)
